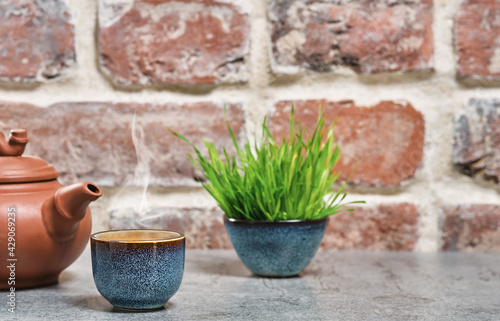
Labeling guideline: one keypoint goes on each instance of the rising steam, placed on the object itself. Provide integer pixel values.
(122, 207)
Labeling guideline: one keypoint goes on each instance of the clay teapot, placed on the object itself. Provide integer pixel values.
(44, 226)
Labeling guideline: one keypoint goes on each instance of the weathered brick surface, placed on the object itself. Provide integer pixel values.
(369, 36)
(382, 227)
(472, 227)
(173, 41)
(93, 141)
(392, 227)
(385, 140)
(36, 40)
(477, 32)
(476, 148)
(203, 227)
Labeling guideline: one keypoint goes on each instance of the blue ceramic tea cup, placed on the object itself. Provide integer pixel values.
(138, 269)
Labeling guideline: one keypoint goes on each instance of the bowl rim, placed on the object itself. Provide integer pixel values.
(281, 222)
(95, 236)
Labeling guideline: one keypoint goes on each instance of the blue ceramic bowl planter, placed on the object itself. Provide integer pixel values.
(276, 248)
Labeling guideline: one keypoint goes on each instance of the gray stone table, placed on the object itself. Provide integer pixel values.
(336, 286)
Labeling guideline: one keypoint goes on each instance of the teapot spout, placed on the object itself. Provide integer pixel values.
(63, 212)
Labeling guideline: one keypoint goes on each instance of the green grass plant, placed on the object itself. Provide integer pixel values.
(271, 181)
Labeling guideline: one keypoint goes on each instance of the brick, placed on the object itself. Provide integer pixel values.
(385, 227)
(36, 40)
(173, 41)
(369, 36)
(203, 227)
(385, 140)
(93, 141)
(477, 32)
(382, 227)
(477, 140)
(471, 227)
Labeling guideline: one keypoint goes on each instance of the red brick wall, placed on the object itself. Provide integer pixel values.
(414, 86)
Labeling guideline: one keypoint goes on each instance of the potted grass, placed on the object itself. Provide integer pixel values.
(276, 196)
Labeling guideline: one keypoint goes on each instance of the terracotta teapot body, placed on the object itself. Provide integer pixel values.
(44, 226)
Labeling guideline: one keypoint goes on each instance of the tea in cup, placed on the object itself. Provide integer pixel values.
(138, 269)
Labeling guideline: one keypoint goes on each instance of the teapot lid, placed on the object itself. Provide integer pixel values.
(15, 168)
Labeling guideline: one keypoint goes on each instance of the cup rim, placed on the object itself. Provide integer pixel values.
(95, 236)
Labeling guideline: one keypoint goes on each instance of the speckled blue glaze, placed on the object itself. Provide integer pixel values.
(138, 276)
(277, 249)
